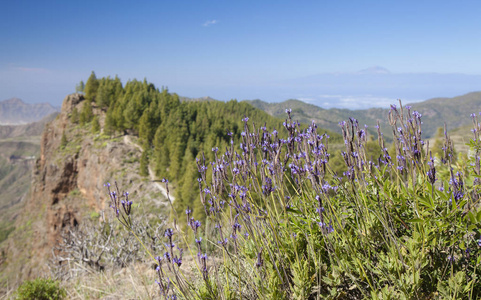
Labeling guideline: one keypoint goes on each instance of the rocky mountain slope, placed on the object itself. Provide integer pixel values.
(15, 111)
(68, 187)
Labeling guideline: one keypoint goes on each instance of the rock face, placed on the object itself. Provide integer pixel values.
(14, 111)
(68, 185)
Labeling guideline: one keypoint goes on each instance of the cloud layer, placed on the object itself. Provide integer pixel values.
(210, 23)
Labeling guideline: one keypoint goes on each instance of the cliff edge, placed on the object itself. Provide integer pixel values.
(68, 186)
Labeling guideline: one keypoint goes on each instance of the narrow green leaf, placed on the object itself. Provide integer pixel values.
(416, 220)
(478, 216)
(472, 217)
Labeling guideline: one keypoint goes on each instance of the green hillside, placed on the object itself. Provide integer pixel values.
(16, 162)
(19, 148)
(173, 133)
(454, 111)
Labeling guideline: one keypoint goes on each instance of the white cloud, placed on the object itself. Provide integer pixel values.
(349, 101)
(210, 23)
(329, 96)
(364, 101)
(307, 100)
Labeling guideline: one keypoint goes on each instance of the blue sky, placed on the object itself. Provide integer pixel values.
(232, 49)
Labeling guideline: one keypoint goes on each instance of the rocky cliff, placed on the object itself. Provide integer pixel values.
(68, 186)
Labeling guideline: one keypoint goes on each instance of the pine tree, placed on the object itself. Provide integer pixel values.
(86, 114)
(80, 87)
(95, 124)
(91, 87)
(103, 95)
(117, 89)
(109, 127)
(118, 117)
(133, 111)
(75, 115)
(145, 127)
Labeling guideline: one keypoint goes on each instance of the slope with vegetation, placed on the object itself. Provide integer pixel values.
(67, 189)
(405, 226)
(173, 133)
(19, 147)
(454, 111)
(85, 146)
(275, 215)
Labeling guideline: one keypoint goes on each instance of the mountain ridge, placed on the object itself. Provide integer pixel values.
(14, 111)
(454, 111)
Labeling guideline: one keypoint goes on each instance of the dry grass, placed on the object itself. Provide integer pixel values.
(133, 282)
(137, 281)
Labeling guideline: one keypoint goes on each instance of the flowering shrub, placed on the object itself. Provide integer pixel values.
(281, 224)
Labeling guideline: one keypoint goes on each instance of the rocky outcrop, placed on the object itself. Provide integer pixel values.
(68, 184)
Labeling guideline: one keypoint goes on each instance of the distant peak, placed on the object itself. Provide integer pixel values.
(374, 70)
(13, 100)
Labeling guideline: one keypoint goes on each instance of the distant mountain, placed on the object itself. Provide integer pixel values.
(34, 129)
(371, 87)
(374, 70)
(14, 111)
(454, 111)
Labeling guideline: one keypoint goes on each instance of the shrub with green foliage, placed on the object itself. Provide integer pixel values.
(63, 141)
(282, 225)
(40, 289)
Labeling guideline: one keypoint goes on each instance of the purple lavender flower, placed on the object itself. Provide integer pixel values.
(177, 261)
(167, 256)
(169, 233)
(236, 226)
(431, 173)
(195, 225)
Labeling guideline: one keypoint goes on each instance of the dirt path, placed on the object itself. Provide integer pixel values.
(160, 186)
